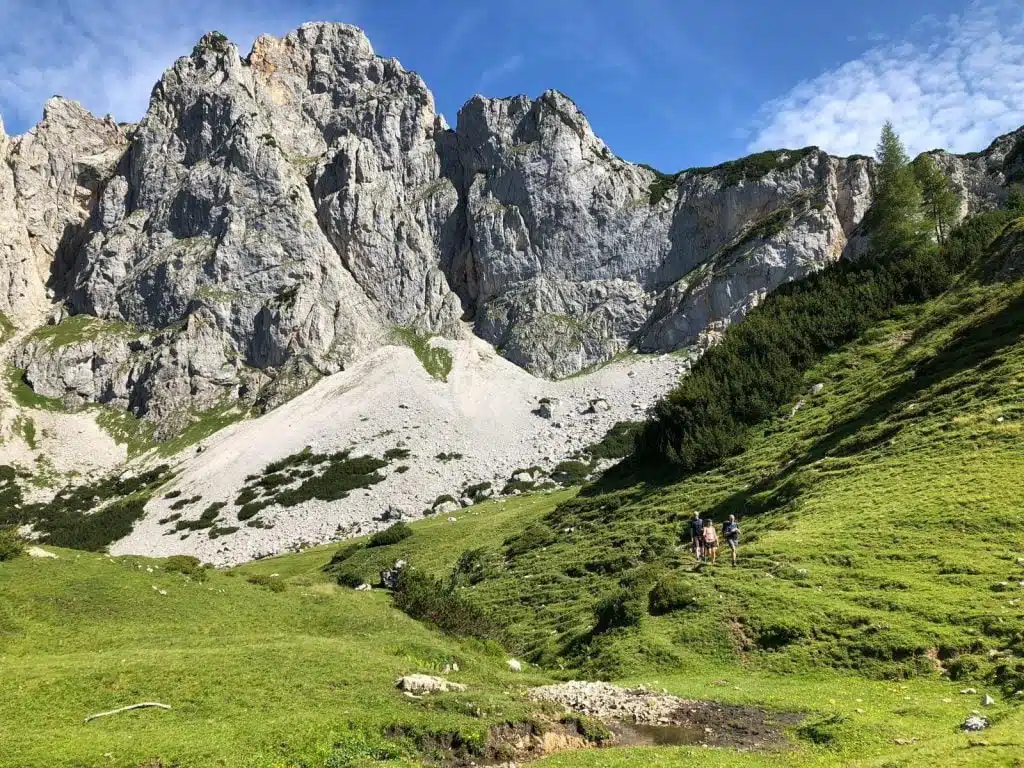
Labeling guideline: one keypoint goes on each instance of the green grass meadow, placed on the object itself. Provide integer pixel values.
(881, 573)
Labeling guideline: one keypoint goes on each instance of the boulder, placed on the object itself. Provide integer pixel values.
(40, 552)
(974, 723)
(445, 507)
(389, 576)
(514, 665)
(547, 408)
(817, 389)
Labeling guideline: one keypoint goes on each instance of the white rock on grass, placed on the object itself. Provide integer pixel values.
(515, 665)
(974, 723)
(40, 552)
(427, 684)
(603, 700)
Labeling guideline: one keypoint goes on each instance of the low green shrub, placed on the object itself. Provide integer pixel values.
(11, 544)
(471, 568)
(253, 508)
(342, 555)
(444, 499)
(568, 473)
(472, 491)
(275, 480)
(429, 599)
(672, 594)
(396, 533)
(185, 565)
(217, 531)
(397, 453)
(446, 457)
(273, 583)
(521, 486)
(535, 536)
(348, 577)
(182, 503)
(620, 610)
(295, 460)
(96, 531)
(618, 442)
(245, 496)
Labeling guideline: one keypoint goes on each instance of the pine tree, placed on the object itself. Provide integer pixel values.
(940, 200)
(1015, 199)
(898, 224)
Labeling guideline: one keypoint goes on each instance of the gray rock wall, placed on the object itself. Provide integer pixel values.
(272, 217)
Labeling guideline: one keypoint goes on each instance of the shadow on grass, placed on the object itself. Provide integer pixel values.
(971, 348)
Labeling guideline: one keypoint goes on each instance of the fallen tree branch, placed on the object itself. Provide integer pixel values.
(125, 709)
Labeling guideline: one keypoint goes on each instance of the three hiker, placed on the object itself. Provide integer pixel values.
(704, 538)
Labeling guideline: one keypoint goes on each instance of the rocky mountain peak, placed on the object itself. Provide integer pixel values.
(273, 218)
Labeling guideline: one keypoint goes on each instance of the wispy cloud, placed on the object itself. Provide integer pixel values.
(107, 54)
(502, 69)
(958, 91)
(458, 32)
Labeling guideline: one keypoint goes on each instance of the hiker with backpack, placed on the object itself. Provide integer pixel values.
(731, 534)
(697, 535)
(710, 541)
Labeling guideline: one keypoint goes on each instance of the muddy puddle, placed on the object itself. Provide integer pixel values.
(706, 723)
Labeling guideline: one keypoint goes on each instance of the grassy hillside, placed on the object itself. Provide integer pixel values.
(881, 572)
(255, 677)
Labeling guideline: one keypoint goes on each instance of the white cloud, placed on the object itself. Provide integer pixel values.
(958, 91)
(108, 54)
(501, 70)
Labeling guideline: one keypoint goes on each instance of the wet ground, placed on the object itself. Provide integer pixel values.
(711, 724)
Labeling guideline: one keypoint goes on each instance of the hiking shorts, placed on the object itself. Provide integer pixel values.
(733, 544)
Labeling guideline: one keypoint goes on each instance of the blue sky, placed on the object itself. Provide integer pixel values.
(673, 83)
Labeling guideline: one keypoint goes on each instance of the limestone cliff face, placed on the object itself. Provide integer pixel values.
(49, 182)
(272, 217)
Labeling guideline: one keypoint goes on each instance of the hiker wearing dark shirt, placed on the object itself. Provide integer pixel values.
(731, 534)
(697, 535)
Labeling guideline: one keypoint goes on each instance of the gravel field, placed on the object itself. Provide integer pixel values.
(486, 411)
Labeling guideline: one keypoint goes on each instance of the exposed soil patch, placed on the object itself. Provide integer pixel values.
(716, 725)
(507, 744)
(641, 717)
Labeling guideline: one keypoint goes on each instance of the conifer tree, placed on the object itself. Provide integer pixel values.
(940, 200)
(1015, 199)
(898, 223)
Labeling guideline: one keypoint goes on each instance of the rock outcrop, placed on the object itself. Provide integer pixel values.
(274, 217)
(49, 182)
